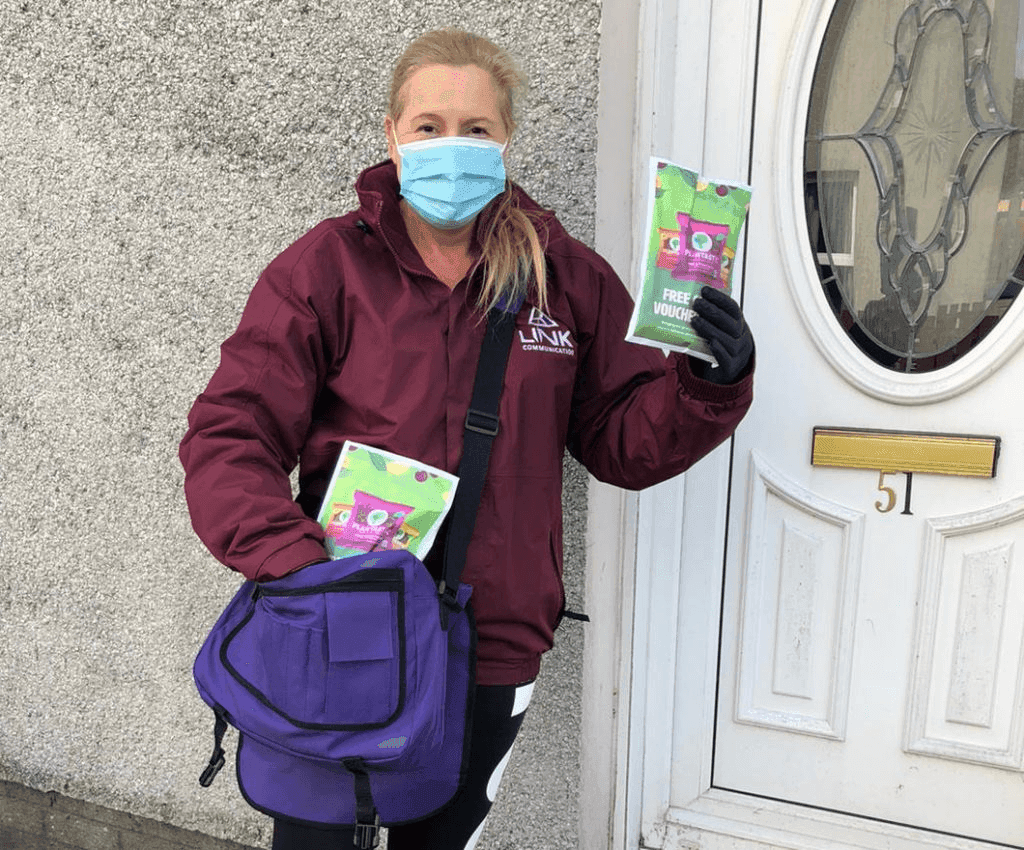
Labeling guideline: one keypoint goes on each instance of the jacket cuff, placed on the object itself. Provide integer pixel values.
(708, 391)
(294, 557)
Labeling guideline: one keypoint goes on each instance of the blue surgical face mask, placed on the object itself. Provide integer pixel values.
(450, 179)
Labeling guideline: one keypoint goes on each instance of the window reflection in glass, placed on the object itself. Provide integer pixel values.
(915, 174)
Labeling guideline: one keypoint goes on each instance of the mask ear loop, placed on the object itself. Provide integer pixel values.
(394, 138)
(398, 150)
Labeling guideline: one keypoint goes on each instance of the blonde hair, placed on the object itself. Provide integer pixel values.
(510, 246)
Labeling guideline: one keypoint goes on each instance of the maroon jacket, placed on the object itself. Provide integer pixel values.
(348, 335)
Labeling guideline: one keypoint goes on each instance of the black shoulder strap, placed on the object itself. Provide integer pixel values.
(478, 435)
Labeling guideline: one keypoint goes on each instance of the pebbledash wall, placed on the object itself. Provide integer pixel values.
(154, 157)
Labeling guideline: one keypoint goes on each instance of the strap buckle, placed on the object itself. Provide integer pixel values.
(367, 835)
(367, 831)
(449, 603)
(212, 769)
(220, 726)
(481, 423)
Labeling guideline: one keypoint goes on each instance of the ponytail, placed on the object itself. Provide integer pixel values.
(511, 254)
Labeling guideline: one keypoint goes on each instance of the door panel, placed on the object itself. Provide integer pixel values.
(873, 642)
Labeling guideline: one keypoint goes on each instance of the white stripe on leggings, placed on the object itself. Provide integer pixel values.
(522, 700)
(523, 695)
(495, 780)
(492, 793)
(475, 837)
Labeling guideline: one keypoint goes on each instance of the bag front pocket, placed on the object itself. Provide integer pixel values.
(364, 675)
(324, 658)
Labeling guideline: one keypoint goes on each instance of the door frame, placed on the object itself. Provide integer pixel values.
(607, 811)
(651, 655)
(629, 779)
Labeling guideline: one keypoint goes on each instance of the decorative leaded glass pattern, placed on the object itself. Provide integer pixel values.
(915, 175)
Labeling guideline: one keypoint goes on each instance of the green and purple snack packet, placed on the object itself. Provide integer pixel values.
(693, 229)
(379, 501)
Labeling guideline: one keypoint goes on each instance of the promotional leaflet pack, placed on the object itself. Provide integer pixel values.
(379, 501)
(693, 229)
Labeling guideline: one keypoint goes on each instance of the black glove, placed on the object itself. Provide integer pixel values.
(719, 321)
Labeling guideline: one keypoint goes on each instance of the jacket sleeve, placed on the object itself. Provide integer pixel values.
(245, 432)
(639, 418)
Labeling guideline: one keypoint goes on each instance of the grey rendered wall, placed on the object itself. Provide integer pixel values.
(155, 156)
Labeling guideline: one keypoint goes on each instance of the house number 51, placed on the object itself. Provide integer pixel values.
(890, 494)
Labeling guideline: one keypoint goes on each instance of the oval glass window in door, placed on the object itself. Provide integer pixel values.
(914, 169)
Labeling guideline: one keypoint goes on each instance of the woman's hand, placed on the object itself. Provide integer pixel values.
(719, 321)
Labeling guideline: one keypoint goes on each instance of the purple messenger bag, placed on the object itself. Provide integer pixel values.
(350, 684)
(351, 681)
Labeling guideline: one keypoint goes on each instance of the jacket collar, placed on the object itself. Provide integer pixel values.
(377, 188)
(378, 191)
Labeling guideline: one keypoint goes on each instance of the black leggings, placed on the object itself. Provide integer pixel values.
(497, 715)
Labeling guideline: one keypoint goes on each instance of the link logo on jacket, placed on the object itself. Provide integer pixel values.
(545, 334)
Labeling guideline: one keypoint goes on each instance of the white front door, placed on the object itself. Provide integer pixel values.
(872, 637)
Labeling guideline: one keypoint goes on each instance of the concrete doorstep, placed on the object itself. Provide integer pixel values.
(46, 820)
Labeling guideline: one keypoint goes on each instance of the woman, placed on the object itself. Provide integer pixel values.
(368, 328)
